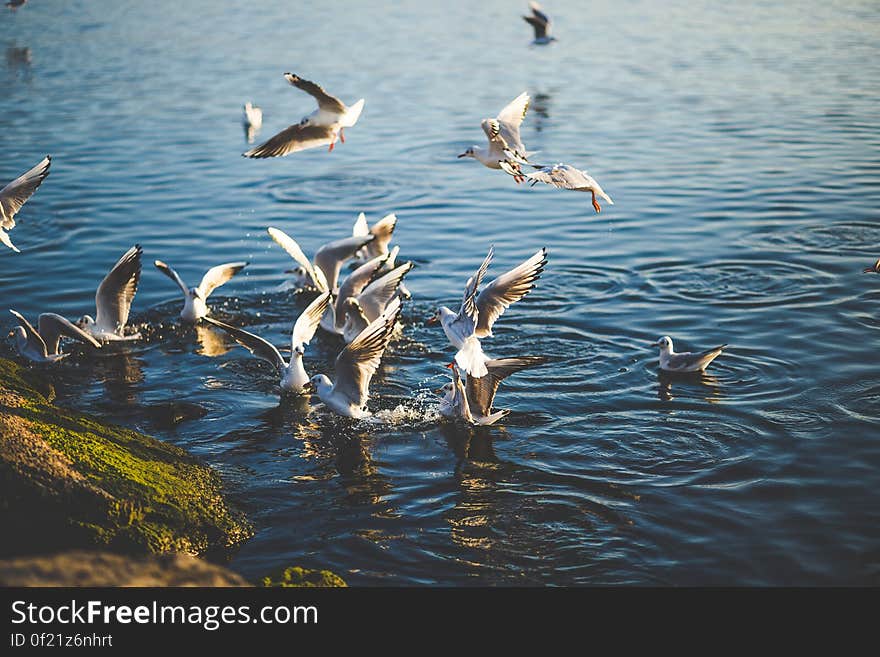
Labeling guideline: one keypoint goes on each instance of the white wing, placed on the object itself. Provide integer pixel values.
(287, 243)
(117, 290)
(53, 326)
(173, 275)
(510, 119)
(307, 323)
(254, 343)
(14, 195)
(361, 227)
(508, 288)
(379, 293)
(217, 276)
(355, 282)
(330, 257)
(382, 230)
(358, 362)
(35, 342)
(465, 322)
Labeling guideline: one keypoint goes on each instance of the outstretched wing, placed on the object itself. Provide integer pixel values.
(509, 120)
(217, 276)
(14, 195)
(173, 275)
(377, 294)
(507, 289)
(53, 326)
(361, 227)
(330, 257)
(481, 392)
(287, 243)
(358, 362)
(33, 338)
(325, 100)
(254, 343)
(307, 323)
(465, 322)
(382, 231)
(295, 138)
(117, 290)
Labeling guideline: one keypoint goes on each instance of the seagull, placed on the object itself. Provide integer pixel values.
(541, 24)
(355, 367)
(505, 142)
(253, 116)
(875, 269)
(357, 311)
(562, 176)
(43, 345)
(480, 310)
(686, 361)
(15, 4)
(324, 274)
(14, 195)
(113, 299)
(194, 306)
(323, 126)
(382, 230)
(472, 401)
(252, 120)
(293, 375)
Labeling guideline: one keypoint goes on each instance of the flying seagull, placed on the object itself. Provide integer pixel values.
(14, 195)
(502, 132)
(355, 367)
(195, 298)
(685, 361)
(472, 400)
(323, 126)
(541, 24)
(480, 309)
(43, 345)
(562, 176)
(293, 374)
(113, 299)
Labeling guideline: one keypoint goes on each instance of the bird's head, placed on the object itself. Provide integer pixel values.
(665, 343)
(468, 153)
(85, 321)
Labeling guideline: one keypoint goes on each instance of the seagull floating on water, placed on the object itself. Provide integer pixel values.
(195, 298)
(540, 22)
(14, 195)
(113, 299)
(293, 374)
(355, 367)
(562, 176)
(685, 361)
(43, 345)
(480, 309)
(505, 143)
(323, 126)
(472, 401)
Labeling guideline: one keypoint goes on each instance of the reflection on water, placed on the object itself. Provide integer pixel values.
(745, 209)
(705, 385)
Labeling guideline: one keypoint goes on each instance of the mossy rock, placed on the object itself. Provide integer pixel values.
(297, 576)
(68, 480)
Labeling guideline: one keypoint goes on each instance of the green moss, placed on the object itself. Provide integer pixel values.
(127, 490)
(297, 576)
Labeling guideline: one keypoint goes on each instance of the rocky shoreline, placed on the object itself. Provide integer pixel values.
(69, 482)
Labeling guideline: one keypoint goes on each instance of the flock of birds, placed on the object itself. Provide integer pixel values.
(363, 308)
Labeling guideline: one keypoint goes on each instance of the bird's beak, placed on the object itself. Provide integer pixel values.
(290, 271)
(307, 386)
(655, 344)
(462, 155)
(10, 334)
(451, 366)
(439, 391)
(433, 319)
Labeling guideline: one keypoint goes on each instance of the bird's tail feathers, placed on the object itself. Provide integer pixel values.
(352, 115)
